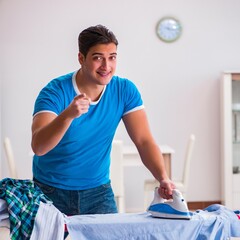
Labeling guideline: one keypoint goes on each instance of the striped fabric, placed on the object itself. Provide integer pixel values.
(48, 224)
(23, 198)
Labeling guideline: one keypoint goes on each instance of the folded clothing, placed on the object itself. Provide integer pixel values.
(22, 198)
(4, 215)
(48, 224)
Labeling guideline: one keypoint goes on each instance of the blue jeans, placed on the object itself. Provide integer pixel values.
(98, 200)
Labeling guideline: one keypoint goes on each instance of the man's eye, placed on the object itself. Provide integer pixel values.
(113, 58)
(98, 58)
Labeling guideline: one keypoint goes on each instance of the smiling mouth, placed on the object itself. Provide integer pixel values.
(103, 74)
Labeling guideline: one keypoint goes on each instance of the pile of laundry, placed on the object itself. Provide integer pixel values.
(28, 213)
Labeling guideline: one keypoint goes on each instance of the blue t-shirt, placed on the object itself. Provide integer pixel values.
(81, 160)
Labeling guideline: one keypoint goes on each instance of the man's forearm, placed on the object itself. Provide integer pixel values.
(46, 138)
(152, 158)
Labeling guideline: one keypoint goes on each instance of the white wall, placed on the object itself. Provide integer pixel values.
(0, 117)
(179, 81)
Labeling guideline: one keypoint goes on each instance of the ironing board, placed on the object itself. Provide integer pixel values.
(215, 222)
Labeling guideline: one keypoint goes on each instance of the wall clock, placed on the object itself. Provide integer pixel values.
(169, 29)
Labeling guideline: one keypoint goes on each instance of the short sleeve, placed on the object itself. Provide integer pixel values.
(49, 99)
(132, 96)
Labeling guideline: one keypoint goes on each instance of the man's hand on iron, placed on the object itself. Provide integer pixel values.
(165, 189)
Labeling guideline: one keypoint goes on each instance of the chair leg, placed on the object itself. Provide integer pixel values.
(145, 200)
(120, 204)
(149, 186)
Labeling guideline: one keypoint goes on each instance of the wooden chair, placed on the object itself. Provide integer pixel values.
(181, 185)
(10, 158)
(116, 174)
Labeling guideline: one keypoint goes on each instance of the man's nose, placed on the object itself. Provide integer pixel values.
(104, 63)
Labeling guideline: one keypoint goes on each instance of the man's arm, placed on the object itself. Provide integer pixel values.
(48, 129)
(138, 129)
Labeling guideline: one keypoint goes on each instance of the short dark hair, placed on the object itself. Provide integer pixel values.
(95, 35)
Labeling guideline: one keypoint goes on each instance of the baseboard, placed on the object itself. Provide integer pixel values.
(201, 205)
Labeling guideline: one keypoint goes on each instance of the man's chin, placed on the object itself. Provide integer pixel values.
(105, 81)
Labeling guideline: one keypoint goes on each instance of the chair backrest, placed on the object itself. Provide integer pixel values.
(116, 168)
(10, 158)
(116, 174)
(188, 157)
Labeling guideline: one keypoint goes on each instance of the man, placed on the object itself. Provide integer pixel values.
(74, 122)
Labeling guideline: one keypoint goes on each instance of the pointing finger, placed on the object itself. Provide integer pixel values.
(83, 96)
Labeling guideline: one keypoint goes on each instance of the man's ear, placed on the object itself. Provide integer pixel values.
(80, 58)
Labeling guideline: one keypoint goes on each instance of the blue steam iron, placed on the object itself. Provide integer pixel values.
(175, 208)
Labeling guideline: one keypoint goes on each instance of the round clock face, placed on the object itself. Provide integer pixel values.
(169, 29)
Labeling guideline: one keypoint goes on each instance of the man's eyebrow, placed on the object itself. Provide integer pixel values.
(96, 53)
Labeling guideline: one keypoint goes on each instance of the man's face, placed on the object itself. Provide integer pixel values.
(100, 63)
